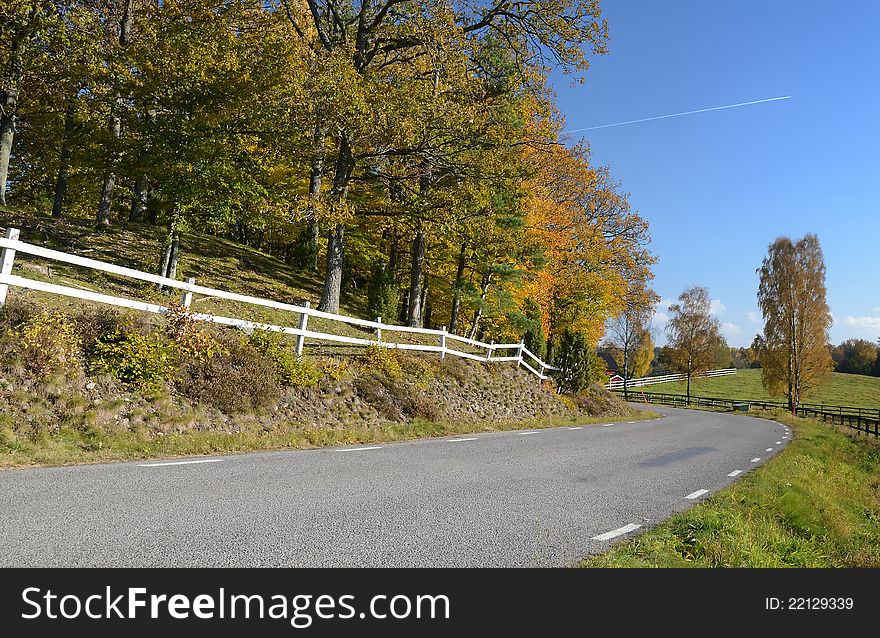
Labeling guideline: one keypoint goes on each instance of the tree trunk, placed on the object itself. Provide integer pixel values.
(315, 178)
(333, 278)
(414, 313)
(689, 389)
(115, 128)
(9, 102)
(170, 255)
(487, 278)
(404, 307)
(427, 306)
(63, 162)
(7, 134)
(103, 217)
(138, 200)
(456, 297)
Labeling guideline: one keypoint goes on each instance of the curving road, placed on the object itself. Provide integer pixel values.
(527, 498)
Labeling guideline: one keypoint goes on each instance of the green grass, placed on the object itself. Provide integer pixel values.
(74, 445)
(815, 504)
(845, 389)
(213, 261)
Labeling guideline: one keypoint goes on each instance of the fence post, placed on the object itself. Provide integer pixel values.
(303, 323)
(489, 350)
(443, 343)
(7, 256)
(187, 296)
(519, 355)
(379, 329)
(541, 370)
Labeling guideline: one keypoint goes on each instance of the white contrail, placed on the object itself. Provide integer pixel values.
(662, 117)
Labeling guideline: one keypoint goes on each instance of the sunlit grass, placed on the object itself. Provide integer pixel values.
(74, 445)
(845, 389)
(815, 504)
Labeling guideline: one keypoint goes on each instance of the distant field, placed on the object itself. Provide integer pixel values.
(844, 389)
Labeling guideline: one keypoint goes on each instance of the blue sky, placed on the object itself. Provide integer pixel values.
(718, 187)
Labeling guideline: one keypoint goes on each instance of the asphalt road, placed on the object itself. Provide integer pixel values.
(527, 498)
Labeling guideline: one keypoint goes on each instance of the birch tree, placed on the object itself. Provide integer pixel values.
(795, 356)
(693, 334)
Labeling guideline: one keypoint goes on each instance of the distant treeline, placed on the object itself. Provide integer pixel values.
(853, 356)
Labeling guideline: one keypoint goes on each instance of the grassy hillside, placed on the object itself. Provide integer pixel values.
(213, 261)
(82, 382)
(844, 389)
(815, 504)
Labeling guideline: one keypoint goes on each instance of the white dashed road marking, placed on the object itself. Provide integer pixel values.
(735, 473)
(360, 449)
(630, 422)
(470, 438)
(526, 433)
(578, 427)
(756, 459)
(697, 494)
(769, 449)
(620, 531)
(778, 442)
(180, 463)
(607, 425)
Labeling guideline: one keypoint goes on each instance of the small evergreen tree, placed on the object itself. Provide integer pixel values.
(580, 364)
(382, 293)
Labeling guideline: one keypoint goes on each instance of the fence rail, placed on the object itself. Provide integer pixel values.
(10, 245)
(861, 419)
(666, 378)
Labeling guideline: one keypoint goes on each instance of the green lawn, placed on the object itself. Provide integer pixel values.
(815, 504)
(845, 389)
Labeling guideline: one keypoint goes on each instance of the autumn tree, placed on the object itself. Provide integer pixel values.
(693, 334)
(856, 356)
(791, 295)
(629, 335)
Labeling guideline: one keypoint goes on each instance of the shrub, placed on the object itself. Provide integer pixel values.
(384, 360)
(136, 360)
(289, 368)
(419, 370)
(47, 345)
(94, 324)
(17, 311)
(192, 342)
(336, 369)
(239, 379)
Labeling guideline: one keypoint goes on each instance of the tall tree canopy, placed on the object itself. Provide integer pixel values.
(795, 357)
(410, 148)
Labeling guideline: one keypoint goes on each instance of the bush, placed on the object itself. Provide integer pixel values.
(136, 360)
(17, 311)
(47, 345)
(384, 360)
(289, 368)
(94, 324)
(192, 342)
(336, 369)
(239, 379)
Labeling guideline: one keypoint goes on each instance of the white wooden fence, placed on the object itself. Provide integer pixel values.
(10, 245)
(666, 378)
